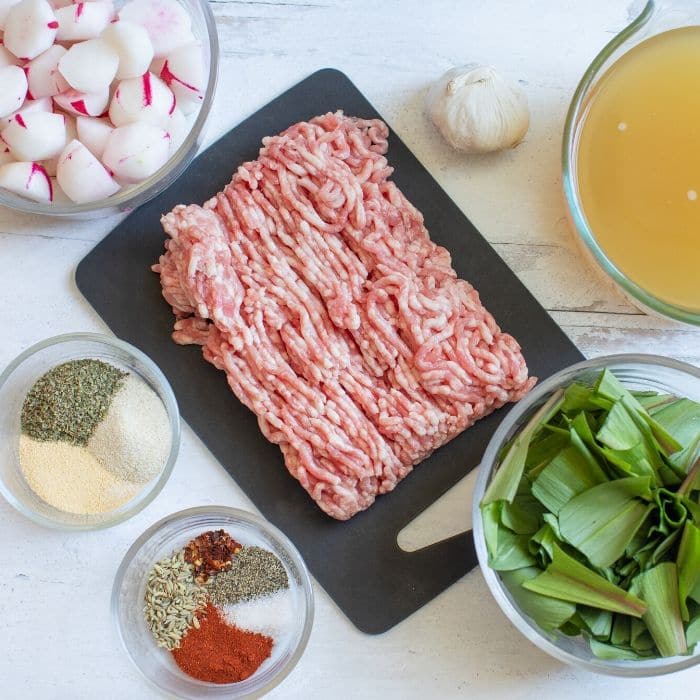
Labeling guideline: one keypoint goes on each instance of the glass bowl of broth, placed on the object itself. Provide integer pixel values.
(631, 160)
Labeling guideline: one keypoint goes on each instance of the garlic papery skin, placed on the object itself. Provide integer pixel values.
(477, 110)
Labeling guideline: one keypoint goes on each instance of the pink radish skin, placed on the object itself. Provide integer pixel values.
(89, 66)
(132, 44)
(5, 7)
(93, 134)
(30, 28)
(145, 99)
(43, 104)
(84, 20)
(35, 135)
(82, 177)
(135, 151)
(167, 22)
(183, 73)
(29, 180)
(42, 74)
(13, 89)
(87, 104)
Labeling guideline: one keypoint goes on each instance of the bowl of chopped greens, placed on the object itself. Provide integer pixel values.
(587, 515)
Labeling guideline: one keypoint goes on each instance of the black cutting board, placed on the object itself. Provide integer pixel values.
(373, 581)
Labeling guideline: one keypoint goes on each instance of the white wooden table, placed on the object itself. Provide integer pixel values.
(56, 639)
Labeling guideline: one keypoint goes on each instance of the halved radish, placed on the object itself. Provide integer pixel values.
(43, 104)
(5, 155)
(145, 99)
(135, 151)
(81, 176)
(7, 59)
(13, 89)
(5, 7)
(84, 20)
(167, 22)
(27, 179)
(30, 28)
(35, 135)
(89, 104)
(93, 133)
(178, 128)
(89, 66)
(183, 73)
(42, 73)
(132, 44)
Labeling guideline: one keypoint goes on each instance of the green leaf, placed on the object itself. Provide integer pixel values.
(672, 512)
(548, 613)
(612, 653)
(682, 420)
(602, 521)
(598, 622)
(692, 632)
(542, 544)
(523, 516)
(619, 431)
(579, 397)
(566, 476)
(504, 484)
(658, 587)
(491, 521)
(506, 550)
(620, 634)
(688, 564)
(610, 387)
(567, 579)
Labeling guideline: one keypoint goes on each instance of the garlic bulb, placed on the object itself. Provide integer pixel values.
(478, 110)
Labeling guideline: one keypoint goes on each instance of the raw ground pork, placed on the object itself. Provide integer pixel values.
(312, 282)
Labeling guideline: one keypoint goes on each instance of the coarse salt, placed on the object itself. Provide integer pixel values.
(271, 615)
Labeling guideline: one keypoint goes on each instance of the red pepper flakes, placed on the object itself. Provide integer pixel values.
(220, 653)
(210, 553)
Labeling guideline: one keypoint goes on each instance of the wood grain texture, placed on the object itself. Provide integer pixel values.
(56, 640)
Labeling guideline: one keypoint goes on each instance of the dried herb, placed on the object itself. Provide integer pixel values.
(254, 572)
(68, 402)
(211, 553)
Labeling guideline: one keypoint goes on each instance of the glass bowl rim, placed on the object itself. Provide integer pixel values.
(171, 407)
(132, 197)
(632, 669)
(586, 235)
(181, 518)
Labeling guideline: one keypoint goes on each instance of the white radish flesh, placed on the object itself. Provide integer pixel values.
(43, 104)
(89, 104)
(84, 20)
(89, 66)
(30, 28)
(93, 133)
(136, 151)
(147, 99)
(5, 155)
(43, 76)
(27, 179)
(6, 58)
(81, 176)
(167, 22)
(132, 44)
(35, 136)
(59, 196)
(5, 7)
(13, 89)
(183, 73)
(178, 127)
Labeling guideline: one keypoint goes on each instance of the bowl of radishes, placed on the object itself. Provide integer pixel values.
(102, 103)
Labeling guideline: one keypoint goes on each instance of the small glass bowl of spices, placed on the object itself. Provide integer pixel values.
(213, 602)
(89, 431)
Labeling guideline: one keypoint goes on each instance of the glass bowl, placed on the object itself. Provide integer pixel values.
(656, 17)
(172, 533)
(642, 372)
(130, 197)
(15, 383)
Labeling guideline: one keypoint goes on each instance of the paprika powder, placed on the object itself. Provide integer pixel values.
(220, 653)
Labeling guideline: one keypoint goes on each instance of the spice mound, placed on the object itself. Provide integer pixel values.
(91, 436)
(221, 608)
